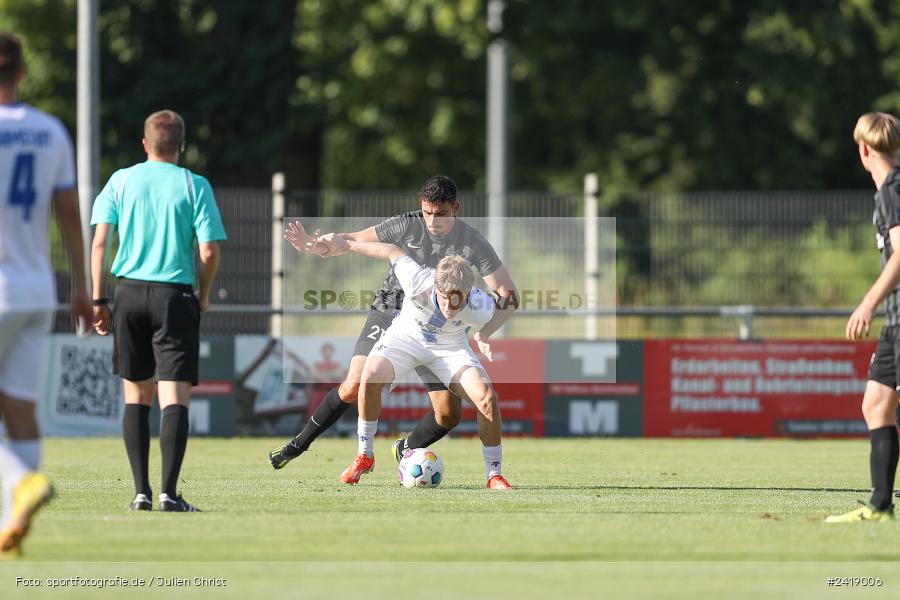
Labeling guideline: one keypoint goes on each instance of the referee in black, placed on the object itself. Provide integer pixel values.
(160, 210)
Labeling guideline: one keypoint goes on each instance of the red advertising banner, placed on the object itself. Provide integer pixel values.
(521, 404)
(776, 388)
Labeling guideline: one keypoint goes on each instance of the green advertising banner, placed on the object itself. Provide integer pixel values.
(594, 388)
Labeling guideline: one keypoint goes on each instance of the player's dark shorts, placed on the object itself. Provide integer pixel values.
(156, 331)
(376, 324)
(886, 358)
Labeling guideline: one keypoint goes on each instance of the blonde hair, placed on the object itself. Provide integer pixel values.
(164, 132)
(880, 132)
(454, 274)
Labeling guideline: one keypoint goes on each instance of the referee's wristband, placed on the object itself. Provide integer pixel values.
(100, 301)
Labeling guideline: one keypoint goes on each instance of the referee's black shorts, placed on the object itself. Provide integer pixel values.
(156, 331)
(885, 359)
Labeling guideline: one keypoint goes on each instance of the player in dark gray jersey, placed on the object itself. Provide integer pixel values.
(427, 235)
(885, 217)
(878, 137)
(427, 247)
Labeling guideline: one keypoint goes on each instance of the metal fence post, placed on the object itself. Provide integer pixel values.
(88, 119)
(591, 251)
(745, 313)
(497, 128)
(745, 333)
(275, 320)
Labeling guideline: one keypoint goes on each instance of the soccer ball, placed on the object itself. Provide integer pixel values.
(421, 468)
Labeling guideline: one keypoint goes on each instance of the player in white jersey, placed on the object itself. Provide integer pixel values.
(36, 169)
(440, 307)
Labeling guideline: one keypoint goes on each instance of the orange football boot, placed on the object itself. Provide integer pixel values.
(498, 482)
(33, 492)
(361, 465)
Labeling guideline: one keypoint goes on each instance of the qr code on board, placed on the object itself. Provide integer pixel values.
(87, 386)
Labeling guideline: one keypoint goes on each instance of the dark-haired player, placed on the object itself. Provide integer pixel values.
(426, 235)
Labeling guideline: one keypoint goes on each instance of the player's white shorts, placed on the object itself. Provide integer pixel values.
(407, 351)
(24, 337)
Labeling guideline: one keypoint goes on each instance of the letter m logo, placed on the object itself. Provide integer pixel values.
(588, 417)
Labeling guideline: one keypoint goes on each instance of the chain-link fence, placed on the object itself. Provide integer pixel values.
(702, 249)
(796, 249)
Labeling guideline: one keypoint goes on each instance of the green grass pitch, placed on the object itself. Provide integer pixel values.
(628, 517)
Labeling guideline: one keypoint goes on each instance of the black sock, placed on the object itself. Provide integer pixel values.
(136, 433)
(883, 462)
(326, 414)
(426, 433)
(173, 435)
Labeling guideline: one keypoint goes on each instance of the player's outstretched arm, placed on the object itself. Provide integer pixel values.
(332, 244)
(377, 250)
(296, 236)
(335, 244)
(327, 245)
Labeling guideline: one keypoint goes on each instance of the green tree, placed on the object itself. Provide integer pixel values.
(375, 94)
(227, 67)
(48, 31)
(397, 87)
(689, 94)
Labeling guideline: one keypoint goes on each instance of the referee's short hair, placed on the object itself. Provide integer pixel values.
(164, 132)
(880, 132)
(11, 61)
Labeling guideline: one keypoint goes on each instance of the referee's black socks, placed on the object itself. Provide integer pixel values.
(326, 414)
(883, 463)
(136, 433)
(173, 435)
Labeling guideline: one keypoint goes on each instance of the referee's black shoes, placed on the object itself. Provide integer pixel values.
(141, 502)
(178, 504)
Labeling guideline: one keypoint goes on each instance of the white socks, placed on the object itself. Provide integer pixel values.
(29, 451)
(16, 460)
(493, 459)
(366, 431)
